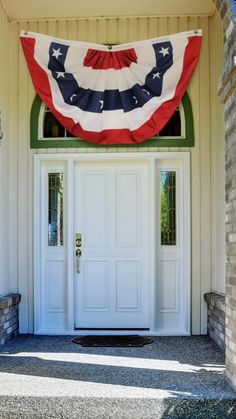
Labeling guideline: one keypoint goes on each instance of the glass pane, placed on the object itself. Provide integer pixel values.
(52, 127)
(69, 135)
(173, 127)
(168, 208)
(55, 209)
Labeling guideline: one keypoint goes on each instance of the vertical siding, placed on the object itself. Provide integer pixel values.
(4, 152)
(202, 93)
(13, 156)
(194, 92)
(22, 179)
(205, 173)
(217, 158)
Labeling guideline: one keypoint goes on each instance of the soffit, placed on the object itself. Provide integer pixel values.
(59, 9)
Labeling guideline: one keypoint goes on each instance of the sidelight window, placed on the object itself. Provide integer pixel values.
(55, 209)
(168, 207)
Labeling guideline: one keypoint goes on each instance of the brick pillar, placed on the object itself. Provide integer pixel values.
(9, 317)
(227, 92)
(230, 193)
(216, 318)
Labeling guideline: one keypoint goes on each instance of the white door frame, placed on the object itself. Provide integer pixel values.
(66, 161)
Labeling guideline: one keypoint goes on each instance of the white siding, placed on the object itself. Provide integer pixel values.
(206, 157)
(217, 159)
(4, 149)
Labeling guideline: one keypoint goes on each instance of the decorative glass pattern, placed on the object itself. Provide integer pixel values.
(55, 209)
(168, 208)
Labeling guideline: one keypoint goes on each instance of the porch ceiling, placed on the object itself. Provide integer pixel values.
(40, 9)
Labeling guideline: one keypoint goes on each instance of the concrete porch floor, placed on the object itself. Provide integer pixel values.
(175, 377)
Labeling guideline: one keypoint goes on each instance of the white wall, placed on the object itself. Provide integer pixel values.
(4, 161)
(204, 173)
(218, 250)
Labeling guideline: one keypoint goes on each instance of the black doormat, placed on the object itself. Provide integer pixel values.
(112, 341)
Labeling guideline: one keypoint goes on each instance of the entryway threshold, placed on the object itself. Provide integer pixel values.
(83, 332)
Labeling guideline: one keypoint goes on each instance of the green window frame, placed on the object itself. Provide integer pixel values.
(185, 140)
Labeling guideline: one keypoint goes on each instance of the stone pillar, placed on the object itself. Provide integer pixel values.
(216, 318)
(9, 317)
(227, 93)
(230, 165)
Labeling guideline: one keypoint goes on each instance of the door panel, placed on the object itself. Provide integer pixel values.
(128, 209)
(168, 289)
(96, 278)
(111, 213)
(95, 206)
(128, 288)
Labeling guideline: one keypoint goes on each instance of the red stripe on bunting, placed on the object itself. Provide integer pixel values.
(116, 136)
(102, 60)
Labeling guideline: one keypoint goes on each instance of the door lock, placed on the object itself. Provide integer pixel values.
(78, 251)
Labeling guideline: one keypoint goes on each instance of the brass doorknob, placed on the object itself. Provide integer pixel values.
(78, 252)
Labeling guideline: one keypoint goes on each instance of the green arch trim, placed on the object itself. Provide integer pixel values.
(186, 141)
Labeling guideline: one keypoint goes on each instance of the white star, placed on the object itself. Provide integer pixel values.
(135, 99)
(60, 74)
(72, 97)
(154, 75)
(102, 104)
(56, 53)
(148, 93)
(164, 51)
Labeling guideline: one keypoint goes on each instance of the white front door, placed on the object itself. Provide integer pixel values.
(133, 213)
(112, 216)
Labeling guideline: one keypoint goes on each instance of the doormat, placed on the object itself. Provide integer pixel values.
(134, 341)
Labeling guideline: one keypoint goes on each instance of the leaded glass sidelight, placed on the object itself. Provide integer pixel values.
(55, 209)
(168, 207)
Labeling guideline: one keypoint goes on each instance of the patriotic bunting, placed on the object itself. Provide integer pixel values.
(123, 94)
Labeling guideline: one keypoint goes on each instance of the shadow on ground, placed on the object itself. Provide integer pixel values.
(197, 384)
(51, 377)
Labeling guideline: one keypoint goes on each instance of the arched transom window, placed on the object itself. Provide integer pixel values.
(47, 131)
